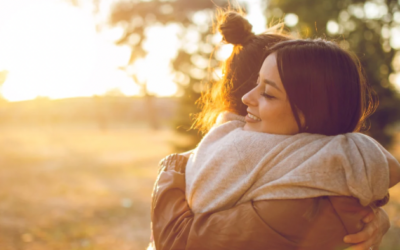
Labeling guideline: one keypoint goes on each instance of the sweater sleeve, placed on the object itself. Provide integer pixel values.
(176, 227)
(368, 177)
(394, 165)
(251, 225)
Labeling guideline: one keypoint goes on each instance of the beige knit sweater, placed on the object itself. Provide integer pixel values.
(231, 166)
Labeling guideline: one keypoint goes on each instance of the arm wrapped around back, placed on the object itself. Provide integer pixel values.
(303, 224)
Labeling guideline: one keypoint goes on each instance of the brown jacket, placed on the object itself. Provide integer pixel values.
(301, 224)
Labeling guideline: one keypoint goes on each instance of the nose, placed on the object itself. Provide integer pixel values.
(248, 99)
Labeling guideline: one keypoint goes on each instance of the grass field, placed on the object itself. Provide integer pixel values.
(78, 187)
(70, 188)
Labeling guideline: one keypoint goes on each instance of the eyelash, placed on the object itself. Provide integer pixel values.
(264, 94)
(267, 96)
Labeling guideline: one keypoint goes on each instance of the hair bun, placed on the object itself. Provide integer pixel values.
(234, 28)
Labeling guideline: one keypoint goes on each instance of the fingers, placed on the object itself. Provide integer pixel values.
(366, 245)
(366, 234)
(371, 235)
(370, 217)
(363, 246)
(367, 237)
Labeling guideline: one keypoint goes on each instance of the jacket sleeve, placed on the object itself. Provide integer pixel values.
(176, 227)
(251, 225)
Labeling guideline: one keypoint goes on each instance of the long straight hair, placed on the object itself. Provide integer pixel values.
(326, 84)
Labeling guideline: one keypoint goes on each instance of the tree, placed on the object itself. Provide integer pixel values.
(193, 20)
(361, 26)
(364, 28)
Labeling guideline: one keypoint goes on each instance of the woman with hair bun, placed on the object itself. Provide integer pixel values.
(291, 174)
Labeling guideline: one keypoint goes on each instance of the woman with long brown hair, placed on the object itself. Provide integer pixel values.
(312, 223)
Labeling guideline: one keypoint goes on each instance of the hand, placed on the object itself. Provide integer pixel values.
(376, 225)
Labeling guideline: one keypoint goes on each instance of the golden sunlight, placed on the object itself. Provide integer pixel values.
(52, 49)
(155, 69)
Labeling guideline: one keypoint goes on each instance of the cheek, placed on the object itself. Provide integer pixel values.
(272, 111)
(289, 121)
(279, 116)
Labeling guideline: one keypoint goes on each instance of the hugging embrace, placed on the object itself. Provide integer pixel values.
(282, 165)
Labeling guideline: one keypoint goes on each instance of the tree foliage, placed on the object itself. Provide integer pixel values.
(364, 28)
(361, 26)
(195, 55)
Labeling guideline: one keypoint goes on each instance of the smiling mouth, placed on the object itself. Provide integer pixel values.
(252, 118)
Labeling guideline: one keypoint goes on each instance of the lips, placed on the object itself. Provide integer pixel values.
(252, 118)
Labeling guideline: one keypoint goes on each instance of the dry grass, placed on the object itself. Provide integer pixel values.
(78, 187)
(83, 188)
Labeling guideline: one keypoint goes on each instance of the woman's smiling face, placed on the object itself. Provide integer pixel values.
(269, 109)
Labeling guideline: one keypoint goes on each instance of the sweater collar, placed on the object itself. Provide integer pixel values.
(227, 116)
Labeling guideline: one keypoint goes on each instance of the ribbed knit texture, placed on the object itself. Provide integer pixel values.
(231, 166)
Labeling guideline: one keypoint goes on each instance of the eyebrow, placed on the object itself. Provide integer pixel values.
(273, 84)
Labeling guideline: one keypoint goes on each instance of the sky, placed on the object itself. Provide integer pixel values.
(52, 49)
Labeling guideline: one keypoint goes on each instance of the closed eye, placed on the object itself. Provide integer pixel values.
(268, 96)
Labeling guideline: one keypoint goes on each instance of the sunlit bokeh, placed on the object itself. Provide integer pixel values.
(155, 70)
(94, 93)
(255, 14)
(291, 19)
(332, 27)
(52, 49)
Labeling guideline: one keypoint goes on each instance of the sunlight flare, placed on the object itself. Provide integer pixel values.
(52, 49)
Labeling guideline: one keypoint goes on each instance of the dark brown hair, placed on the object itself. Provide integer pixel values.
(240, 70)
(326, 84)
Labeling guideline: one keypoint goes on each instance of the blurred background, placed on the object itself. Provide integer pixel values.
(94, 93)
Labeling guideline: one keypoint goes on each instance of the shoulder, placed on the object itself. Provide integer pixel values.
(176, 162)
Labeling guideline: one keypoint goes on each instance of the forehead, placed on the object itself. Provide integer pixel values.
(269, 71)
(269, 65)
